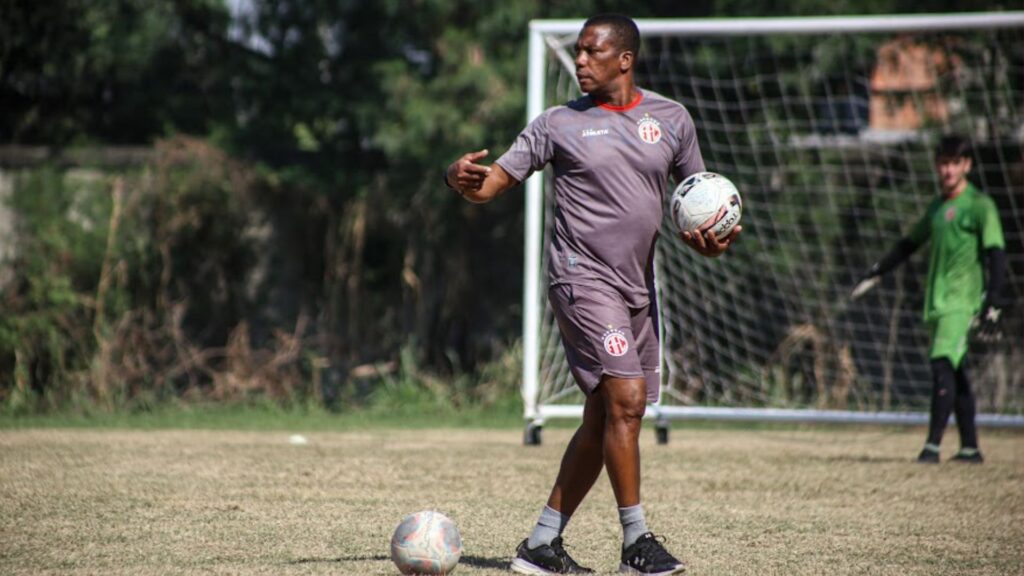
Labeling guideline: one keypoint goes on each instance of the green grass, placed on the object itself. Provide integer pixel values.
(391, 413)
(505, 413)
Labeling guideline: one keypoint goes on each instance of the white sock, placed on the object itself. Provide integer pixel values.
(634, 525)
(549, 526)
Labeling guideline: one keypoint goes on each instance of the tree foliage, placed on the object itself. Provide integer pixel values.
(341, 115)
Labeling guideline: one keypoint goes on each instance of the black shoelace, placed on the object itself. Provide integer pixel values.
(652, 549)
(559, 549)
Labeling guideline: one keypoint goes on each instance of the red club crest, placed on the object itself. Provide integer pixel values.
(649, 130)
(950, 213)
(615, 342)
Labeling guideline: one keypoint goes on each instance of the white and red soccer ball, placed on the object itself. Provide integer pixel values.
(706, 201)
(426, 542)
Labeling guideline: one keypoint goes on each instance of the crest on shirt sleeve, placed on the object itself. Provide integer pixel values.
(649, 129)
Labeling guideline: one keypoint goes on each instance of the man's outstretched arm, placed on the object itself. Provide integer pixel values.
(900, 252)
(476, 182)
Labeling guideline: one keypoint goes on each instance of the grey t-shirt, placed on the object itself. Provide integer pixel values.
(611, 168)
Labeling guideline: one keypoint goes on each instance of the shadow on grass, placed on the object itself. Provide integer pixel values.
(865, 459)
(315, 560)
(489, 563)
(474, 561)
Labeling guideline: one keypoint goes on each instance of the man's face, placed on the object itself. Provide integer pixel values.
(598, 61)
(952, 171)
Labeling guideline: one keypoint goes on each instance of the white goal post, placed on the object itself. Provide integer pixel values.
(826, 125)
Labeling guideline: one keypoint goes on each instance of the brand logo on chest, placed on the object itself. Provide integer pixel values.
(591, 132)
(649, 129)
(950, 213)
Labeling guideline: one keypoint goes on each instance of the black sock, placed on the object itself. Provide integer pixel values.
(943, 388)
(965, 409)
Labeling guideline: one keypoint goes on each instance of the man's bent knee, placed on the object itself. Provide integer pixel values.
(625, 399)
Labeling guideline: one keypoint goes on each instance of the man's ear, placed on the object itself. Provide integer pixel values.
(626, 61)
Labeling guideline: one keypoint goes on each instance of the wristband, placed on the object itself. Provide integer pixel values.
(450, 187)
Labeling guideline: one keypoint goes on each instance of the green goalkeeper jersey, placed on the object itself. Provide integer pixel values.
(960, 230)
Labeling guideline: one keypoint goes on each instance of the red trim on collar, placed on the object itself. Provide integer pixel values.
(630, 106)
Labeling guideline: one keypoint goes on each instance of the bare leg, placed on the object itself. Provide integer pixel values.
(583, 459)
(625, 400)
(542, 551)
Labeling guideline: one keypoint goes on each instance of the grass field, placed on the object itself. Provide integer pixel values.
(729, 500)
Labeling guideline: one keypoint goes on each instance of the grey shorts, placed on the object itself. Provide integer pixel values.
(602, 336)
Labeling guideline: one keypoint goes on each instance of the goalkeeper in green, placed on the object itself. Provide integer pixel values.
(964, 229)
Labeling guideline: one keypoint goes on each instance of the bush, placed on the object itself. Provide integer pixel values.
(173, 282)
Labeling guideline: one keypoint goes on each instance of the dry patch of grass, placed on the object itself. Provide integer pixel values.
(814, 501)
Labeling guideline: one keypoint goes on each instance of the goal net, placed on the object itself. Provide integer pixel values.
(827, 127)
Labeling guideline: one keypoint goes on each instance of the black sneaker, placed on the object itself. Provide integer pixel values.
(928, 456)
(545, 559)
(969, 456)
(648, 556)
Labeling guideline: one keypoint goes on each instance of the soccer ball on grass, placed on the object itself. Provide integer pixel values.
(426, 542)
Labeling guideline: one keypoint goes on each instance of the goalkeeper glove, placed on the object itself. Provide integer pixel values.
(900, 252)
(987, 324)
(866, 282)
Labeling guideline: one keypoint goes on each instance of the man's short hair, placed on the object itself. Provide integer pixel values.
(953, 146)
(625, 33)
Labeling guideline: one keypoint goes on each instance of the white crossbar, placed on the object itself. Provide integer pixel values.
(805, 25)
